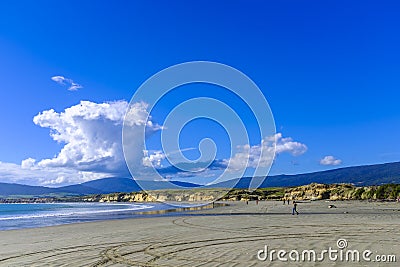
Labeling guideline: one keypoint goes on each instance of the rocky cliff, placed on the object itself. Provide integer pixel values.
(312, 191)
(152, 196)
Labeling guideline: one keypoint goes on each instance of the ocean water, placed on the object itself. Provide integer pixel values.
(17, 216)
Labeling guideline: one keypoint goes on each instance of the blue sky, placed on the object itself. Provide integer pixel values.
(329, 70)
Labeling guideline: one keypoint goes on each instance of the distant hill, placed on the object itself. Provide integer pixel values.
(111, 185)
(126, 185)
(100, 186)
(19, 189)
(377, 174)
(367, 175)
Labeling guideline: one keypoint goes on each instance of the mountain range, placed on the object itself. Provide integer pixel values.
(359, 175)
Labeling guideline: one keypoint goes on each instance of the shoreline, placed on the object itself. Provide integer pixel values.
(69, 218)
(176, 211)
(223, 236)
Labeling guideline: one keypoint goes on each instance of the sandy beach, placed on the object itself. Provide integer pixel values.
(225, 236)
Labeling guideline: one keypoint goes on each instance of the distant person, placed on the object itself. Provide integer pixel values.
(247, 202)
(284, 201)
(295, 208)
(257, 201)
(288, 201)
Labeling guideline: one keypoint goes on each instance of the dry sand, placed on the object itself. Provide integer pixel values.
(224, 236)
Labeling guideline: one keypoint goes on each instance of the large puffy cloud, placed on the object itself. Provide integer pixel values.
(263, 155)
(91, 138)
(92, 135)
(90, 132)
(330, 160)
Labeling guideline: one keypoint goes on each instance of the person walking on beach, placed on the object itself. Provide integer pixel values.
(295, 208)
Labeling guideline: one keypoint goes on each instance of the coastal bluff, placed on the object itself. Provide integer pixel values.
(153, 196)
(317, 191)
(314, 191)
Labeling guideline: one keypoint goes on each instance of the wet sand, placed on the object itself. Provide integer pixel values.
(224, 236)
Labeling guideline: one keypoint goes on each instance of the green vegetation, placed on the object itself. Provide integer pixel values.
(387, 191)
(258, 194)
(344, 192)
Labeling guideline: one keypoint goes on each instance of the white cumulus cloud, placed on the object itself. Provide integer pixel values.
(92, 135)
(153, 159)
(28, 163)
(263, 155)
(91, 138)
(72, 86)
(330, 160)
(288, 145)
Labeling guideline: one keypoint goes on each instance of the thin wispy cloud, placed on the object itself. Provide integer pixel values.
(72, 86)
(330, 160)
